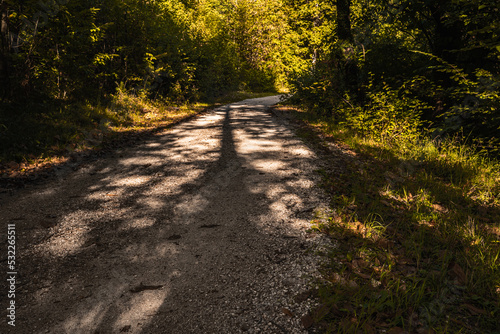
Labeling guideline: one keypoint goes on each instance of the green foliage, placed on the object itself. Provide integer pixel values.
(416, 95)
(61, 59)
(390, 115)
(421, 64)
(331, 83)
(179, 50)
(40, 130)
(475, 108)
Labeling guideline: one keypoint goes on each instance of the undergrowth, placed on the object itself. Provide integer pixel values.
(416, 229)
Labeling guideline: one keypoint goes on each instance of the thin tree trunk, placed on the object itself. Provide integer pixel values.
(344, 32)
(350, 71)
(4, 48)
(447, 36)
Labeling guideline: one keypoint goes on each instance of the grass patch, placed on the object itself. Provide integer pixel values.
(417, 234)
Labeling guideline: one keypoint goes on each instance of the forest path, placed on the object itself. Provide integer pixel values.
(198, 229)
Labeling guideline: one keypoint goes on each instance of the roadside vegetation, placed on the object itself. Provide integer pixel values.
(415, 229)
(409, 91)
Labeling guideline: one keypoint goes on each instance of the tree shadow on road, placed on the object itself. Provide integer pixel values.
(182, 233)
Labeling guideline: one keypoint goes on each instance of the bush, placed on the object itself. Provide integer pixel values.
(390, 115)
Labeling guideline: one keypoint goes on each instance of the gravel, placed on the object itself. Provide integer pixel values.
(202, 228)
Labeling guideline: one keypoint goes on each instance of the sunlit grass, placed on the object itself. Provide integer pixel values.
(417, 224)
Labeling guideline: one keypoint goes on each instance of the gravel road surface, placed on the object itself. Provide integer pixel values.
(199, 229)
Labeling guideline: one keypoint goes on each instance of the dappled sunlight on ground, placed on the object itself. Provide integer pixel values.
(85, 320)
(183, 224)
(140, 309)
(138, 223)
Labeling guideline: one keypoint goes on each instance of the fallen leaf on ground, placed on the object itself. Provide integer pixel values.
(302, 296)
(459, 274)
(47, 223)
(396, 330)
(474, 310)
(125, 328)
(307, 321)
(209, 225)
(439, 208)
(288, 312)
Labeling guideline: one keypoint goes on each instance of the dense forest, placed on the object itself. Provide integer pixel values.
(179, 50)
(411, 86)
(430, 65)
(63, 61)
(434, 64)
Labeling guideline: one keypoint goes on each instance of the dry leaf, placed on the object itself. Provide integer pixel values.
(141, 287)
(474, 310)
(48, 223)
(352, 284)
(369, 329)
(359, 263)
(301, 297)
(409, 270)
(307, 321)
(288, 312)
(125, 329)
(365, 276)
(12, 165)
(384, 243)
(321, 311)
(459, 273)
(385, 203)
(396, 330)
(439, 208)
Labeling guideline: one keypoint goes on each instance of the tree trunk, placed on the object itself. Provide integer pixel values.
(344, 32)
(349, 71)
(447, 35)
(4, 48)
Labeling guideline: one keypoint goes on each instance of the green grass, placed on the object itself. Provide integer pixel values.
(417, 234)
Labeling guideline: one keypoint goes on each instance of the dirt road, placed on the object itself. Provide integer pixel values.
(199, 229)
